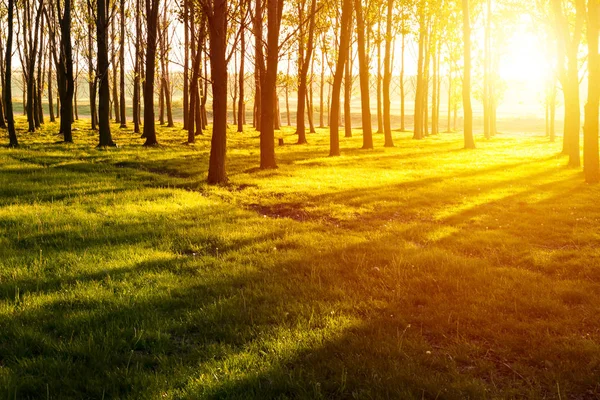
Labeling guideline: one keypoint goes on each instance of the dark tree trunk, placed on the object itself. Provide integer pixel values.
(105, 138)
(241, 105)
(152, 26)
(363, 69)
(186, 64)
(10, 119)
(334, 135)
(267, 135)
(218, 46)
(65, 73)
(305, 62)
(137, 73)
(122, 105)
(259, 68)
(113, 55)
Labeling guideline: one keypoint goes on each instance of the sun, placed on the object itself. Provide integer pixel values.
(526, 59)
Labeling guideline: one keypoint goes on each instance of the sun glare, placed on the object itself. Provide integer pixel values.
(525, 59)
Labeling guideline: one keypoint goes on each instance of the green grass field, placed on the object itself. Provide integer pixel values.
(420, 271)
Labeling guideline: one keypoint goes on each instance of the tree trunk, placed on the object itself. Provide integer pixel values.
(105, 138)
(387, 78)
(419, 90)
(218, 47)
(151, 26)
(402, 93)
(12, 134)
(186, 64)
(334, 116)
(305, 62)
(259, 67)
(363, 69)
(240, 118)
(267, 136)
(115, 90)
(379, 77)
(348, 93)
(137, 72)
(322, 91)
(468, 112)
(65, 70)
(591, 166)
(122, 116)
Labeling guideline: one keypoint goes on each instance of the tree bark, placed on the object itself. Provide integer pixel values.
(218, 47)
(591, 166)
(334, 116)
(151, 26)
(267, 135)
(12, 134)
(387, 78)
(468, 111)
(363, 69)
(105, 138)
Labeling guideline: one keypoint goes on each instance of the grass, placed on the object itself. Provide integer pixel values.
(420, 271)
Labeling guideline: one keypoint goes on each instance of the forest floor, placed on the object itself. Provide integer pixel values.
(419, 271)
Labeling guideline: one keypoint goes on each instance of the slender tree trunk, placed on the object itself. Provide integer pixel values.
(259, 68)
(105, 138)
(218, 46)
(379, 78)
(137, 72)
(267, 136)
(322, 91)
(305, 63)
(151, 26)
(387, 78)
(240, 119)
(402, 92)
(468, 123)
(122, 109)
(186, 64)
(363, 68)
(12, 134)
(591, 166)
(419, 90)
(334, 138)
(434, 91)
(348, 93)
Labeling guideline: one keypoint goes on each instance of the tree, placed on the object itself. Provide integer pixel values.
(105, 138)
(12, 135)
(334, 135)
(468, 111)
(304, 60)
(363, 70)
(568, 74)
(591, 166)
(268, 86)
(152, 8)
(217, 22)
(387, 78)
(122, 116)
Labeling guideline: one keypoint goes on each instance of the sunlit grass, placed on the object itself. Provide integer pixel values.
(417, 271)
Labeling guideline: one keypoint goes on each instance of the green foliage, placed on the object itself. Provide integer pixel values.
(419, 271)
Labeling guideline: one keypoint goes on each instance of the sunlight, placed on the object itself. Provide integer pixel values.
(525, 59)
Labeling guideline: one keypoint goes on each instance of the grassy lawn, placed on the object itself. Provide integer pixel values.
(420, 271)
